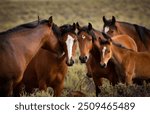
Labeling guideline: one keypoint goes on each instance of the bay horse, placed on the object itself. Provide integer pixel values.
(140, 34)
(89, 39)
(17, 48)
(47, 69)
(133, 64)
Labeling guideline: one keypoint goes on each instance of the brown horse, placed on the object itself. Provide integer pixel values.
(86, 36)
(17, 48)
(133, 64)
(47, 68)
(140, 34)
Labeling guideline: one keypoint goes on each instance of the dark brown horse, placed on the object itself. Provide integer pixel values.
(133, 64)
(47, 69)
(87, 36)
(140, 34)
(17, 48)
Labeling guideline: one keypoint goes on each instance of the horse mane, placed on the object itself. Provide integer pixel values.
(141, 31)
(29, 25)
(66, 28)
(121, 46)
(85, 29)
(56, 30)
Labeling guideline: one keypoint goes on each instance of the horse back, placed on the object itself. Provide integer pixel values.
(126, 41)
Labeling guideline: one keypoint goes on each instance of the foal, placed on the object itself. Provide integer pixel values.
(49, 69)
(133, 64)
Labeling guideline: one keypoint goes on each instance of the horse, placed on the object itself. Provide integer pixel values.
(140, 34)
(85, 44)
(88, 39)
(133, 64)
(17, 48)
(47, 69)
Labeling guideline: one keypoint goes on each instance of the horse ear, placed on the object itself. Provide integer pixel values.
(113, 19)
(106, 36)
(74, 26)
(104, 19)
(90, 26)
(50, 20)
(38, 19)
(78, 26)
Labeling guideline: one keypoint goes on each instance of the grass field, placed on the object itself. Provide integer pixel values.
(16, 12)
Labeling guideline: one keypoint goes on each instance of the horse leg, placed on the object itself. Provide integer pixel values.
(58, 89)
(98, 91)
(89, 70)
(42, 85)
(98, 82)
(6, 89)
(59, 84)
(18, 89)
(128, 78)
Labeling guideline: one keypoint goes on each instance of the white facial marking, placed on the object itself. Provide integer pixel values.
(69, 43)
(106, 29)
(83, 36)
(62, 54)
(103, 51)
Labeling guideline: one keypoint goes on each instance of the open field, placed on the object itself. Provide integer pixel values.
(16, 12)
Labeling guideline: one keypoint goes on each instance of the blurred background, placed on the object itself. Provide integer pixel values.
(16, 12)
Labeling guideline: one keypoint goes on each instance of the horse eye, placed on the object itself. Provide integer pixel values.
(108, 51)
(75, 41)
(111, 31)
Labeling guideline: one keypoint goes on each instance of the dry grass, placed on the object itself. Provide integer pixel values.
(15, 12)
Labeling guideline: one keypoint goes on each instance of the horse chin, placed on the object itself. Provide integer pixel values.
(83, 61)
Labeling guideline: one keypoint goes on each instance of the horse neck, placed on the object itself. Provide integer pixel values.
(27, 43)
(95, 54)
(126, 28)
(98, 34)
(119, 53)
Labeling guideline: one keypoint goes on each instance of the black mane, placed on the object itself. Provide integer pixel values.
(29, 25)
(141, 31)
(121, 46)
(56, 30)
(90, 32)
(66, 28)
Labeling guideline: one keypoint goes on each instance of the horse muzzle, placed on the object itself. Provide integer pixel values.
(103, 65)
(70, 62)
(83, 59)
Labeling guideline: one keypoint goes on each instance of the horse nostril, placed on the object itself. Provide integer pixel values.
(70, 62)
(103, 65)
(85, 57)
(80, 58)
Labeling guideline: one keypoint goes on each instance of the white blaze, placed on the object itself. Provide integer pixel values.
(69, 43)
(83, 36)
(103, 51)
(106, 29)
